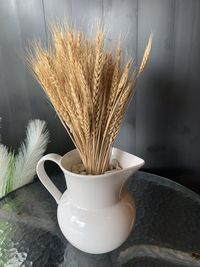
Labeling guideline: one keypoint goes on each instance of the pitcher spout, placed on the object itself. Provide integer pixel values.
(129, 163)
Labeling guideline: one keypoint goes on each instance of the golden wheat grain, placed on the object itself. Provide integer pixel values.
(98, 66)
(89, 89)
(146, 55)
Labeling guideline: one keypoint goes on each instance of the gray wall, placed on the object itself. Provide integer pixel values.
(163, 122)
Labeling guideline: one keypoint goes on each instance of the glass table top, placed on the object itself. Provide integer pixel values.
(166, 232)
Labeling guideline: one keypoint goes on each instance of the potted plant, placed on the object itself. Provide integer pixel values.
(90, 88)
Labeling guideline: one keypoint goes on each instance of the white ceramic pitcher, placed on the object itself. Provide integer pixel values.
(96, 213)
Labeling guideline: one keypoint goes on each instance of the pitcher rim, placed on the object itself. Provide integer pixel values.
(103, 175)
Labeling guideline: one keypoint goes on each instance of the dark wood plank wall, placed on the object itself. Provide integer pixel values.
(154, 87)
(184, 113)
(163, 122)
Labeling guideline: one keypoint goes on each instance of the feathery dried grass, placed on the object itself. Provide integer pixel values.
(89, 89)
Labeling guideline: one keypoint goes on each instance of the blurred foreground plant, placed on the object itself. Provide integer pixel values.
(19, 169)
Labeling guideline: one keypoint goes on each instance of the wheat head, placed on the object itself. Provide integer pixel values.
(89, 88)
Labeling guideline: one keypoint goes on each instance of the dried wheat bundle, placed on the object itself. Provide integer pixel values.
(89, 88)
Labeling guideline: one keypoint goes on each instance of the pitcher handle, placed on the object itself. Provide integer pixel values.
(44, 177)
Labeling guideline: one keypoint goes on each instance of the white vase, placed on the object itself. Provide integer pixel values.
(96, 213)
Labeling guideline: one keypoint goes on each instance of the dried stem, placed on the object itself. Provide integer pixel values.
(88, 88)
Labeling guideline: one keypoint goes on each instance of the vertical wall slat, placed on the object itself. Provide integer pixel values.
(19, 21)
(56, 11)
(154, 86)
(184, 122)
(86, 14)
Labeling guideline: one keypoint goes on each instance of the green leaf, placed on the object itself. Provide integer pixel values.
(10, 172)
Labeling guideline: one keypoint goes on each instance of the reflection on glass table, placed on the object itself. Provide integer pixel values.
(166, 232)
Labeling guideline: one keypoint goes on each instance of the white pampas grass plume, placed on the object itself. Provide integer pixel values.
(30, 152)
(4, 161)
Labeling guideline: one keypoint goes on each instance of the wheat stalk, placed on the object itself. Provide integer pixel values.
(89, 88)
